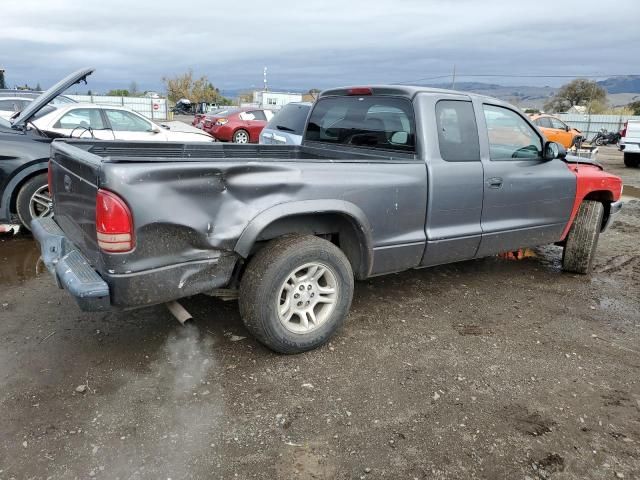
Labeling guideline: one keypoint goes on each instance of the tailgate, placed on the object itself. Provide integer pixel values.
(74, 177)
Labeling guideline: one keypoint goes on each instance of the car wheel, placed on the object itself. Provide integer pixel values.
(599, 141)
(631, 160)
(582, 240)
(33, 200)
(296, 292)
(241, 136)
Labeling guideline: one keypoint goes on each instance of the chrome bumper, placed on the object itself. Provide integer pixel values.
(614, 209)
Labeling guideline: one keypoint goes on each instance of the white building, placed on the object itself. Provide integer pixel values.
(275, 100)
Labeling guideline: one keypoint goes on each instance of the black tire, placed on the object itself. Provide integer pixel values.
(582, 240)
(599, 141)
(267, 272)
(26, 192)
(631, 160)
(238, 136)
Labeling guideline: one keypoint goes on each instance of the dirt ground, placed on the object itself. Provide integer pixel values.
(494, 369)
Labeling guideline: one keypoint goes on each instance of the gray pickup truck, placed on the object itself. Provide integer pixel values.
(388, 178)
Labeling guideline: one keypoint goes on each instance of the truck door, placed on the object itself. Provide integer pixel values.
(527, 200)
(455, 178)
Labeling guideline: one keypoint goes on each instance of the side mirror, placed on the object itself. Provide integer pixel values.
(154, 129)
(553, 150)
(566, 128)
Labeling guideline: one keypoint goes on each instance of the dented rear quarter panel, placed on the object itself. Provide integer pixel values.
(187, 210)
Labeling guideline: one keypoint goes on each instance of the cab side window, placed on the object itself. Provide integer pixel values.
(457, 131)
(510, 136)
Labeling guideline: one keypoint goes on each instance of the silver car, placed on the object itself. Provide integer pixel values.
(287, 126)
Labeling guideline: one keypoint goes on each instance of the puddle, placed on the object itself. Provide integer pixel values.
(19, 259)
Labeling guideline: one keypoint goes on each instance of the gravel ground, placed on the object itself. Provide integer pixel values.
(496, 368)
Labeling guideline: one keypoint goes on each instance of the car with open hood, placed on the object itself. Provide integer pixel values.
(24, 153)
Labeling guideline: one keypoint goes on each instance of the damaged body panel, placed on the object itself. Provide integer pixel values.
(196, 217)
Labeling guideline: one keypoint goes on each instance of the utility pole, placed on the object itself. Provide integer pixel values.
(453, 80)
(266, 88)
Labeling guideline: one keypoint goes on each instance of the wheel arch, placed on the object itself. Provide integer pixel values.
(606, 198)
(10, 194)
(344, 222)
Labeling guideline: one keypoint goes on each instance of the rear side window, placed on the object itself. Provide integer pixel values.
(291, 118)
(253, 115)
(81, 117)
(457, 131)
(371, 122)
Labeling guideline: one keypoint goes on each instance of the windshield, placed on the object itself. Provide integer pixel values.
(292, 118)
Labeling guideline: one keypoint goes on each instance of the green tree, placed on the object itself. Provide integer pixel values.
(2, 82)
(195, 89)
(38, 87)
(133, 89)
(118, 92)
(577, 92)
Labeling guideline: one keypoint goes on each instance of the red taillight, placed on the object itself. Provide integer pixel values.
(222, 121)
(623, 133)
(207, 123)
(360, 91)
(50, 179)
(114, 223)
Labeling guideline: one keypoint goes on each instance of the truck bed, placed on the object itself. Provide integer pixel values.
(192, 203)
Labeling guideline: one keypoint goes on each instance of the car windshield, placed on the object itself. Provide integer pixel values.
(291, 118)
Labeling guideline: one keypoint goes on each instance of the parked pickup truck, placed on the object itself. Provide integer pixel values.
(630, 143)
(388, 178)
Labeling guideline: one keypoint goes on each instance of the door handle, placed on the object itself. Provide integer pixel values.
(494, 182)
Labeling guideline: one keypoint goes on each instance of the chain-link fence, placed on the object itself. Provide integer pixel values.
(589, 125)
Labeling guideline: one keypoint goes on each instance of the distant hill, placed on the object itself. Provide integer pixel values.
(521, 95)
(628, 84)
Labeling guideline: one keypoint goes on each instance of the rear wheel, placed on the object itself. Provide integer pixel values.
(34, 200)
(631, 159)
(582, 240)
(241, 136)
(296, 292)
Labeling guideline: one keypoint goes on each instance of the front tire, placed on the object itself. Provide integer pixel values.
(631, 160)
(296, 292)
(582, 240)
(241, 136)
(33, 200)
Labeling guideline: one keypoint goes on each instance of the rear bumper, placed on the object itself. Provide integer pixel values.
(97, 292)
(614, 209)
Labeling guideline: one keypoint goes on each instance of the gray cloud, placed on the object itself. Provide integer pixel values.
(315, 43)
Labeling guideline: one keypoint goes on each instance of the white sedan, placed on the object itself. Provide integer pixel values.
(110, 123)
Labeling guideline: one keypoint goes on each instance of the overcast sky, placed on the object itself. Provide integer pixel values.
(313, 43)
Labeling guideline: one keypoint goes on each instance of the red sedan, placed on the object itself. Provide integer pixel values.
(240, 126)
